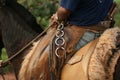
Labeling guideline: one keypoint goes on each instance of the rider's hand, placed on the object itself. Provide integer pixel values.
(54, 18)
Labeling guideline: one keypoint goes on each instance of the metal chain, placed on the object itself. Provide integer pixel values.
(60, 51)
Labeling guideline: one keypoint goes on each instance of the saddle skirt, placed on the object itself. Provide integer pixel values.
(95, 61)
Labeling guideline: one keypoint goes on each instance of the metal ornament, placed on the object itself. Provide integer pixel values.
(60, 42)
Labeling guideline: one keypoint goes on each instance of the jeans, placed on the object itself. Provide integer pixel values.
(86, 38)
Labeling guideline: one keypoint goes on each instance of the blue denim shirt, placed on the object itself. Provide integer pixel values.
(86, 12)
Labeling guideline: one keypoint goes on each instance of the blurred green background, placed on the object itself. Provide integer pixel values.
(44, 9)
(117, 16)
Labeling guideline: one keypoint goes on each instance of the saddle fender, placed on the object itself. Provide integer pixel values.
(77, 67)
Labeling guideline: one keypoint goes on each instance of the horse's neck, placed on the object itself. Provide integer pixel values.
(25, 14)
(15, 32)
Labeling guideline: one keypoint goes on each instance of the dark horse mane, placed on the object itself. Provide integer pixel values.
(17, 28)
(15, 25)
(25, 14)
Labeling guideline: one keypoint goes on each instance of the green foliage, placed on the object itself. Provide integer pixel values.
(4, 55)
(117, 16)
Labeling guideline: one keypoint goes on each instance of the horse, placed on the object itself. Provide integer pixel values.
(17, 28)
(54, 56)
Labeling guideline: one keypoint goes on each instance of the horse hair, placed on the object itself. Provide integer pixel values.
(17, 27)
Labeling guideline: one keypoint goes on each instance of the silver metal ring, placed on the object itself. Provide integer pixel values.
(60, 27)
(57, 39)
(56, 52)
(60, 33)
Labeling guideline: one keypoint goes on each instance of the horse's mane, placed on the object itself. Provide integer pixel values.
(1, 42)
(15, 31)
(16, 23)
(25, 14)
(17, 28)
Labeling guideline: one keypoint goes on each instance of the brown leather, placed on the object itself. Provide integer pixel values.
(112, 11)
(97, 27)
(76, 68)
(100, 27)
(72, 36)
